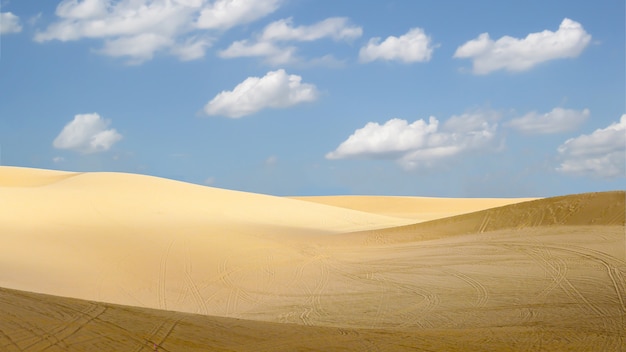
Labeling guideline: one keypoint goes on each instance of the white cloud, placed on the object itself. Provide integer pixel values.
(420, 143)
(82, 10)
(9, 23)
(224, 14)
(138, 48)
(272, 53)
(268, 44)
(556, 121)
(513, 54)
(193, 48)
(601, 153)
(137, 29)
(87, 133)
(336, 28)
(276, 89)
(414, 46)
(58, 159)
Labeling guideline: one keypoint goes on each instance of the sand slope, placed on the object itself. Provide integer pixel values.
(544, 274)
(132, 239)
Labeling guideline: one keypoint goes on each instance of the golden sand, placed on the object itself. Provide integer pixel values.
(188, 267)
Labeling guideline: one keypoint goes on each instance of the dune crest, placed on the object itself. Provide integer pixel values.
(25, 177)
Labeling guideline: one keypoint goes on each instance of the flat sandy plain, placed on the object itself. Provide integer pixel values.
(121, 262)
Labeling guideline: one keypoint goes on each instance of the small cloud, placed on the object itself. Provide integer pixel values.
(138, 48)
(270, 43)
(86, 134)
(58, 159)
(224, 14)
(414, 46)
(420, 143)
(35, 19)
(192, 49)
(558, 120)
(513, 54)
(9, 23)
(337, 28)
(276, 89)
(209, 181)
(272, 53)
(271, 161)
(601, 153)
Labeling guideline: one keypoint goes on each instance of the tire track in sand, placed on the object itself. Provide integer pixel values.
(158, 335)
(235, 292)
(161, 287)
(191, 284)
(482, 295)
(313, 302)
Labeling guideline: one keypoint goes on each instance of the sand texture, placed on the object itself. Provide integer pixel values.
(120, 262)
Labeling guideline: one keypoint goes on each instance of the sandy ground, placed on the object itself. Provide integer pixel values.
(199, 268)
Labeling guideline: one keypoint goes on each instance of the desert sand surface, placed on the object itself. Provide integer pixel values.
(120, 262)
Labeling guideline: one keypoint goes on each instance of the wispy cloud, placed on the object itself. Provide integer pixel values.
(421, 143)
(558, 120)
(513, 54)
(414, 46)
(276, 89)
(87, 133)
(601, 153)
(336, 28)
(276, 43)
(224, 14)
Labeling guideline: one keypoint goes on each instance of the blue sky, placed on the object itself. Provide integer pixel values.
(303, 97)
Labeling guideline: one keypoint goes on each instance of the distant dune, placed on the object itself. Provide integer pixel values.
(600, 209)
(417, 209)
(193, 268)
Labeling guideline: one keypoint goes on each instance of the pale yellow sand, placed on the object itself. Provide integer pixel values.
(416, 208)
(543, 274)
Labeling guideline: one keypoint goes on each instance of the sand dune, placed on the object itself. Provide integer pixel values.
(603, 208)
(417, 209)
(185, 259)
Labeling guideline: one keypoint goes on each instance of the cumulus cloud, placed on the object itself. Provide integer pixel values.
(270, 43)
(513, 54)
(276, 89)
(87, 133)
(420, 143)
(556, 121)
(414, 46)
(9, 23)
(138, 29)
(601, 153)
